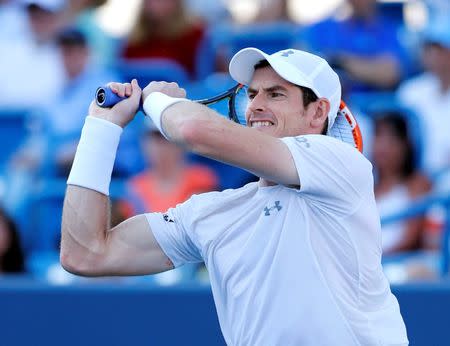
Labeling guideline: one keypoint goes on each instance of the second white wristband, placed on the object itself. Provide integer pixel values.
(155, 104)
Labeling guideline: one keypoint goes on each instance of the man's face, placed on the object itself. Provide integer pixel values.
(276, 106)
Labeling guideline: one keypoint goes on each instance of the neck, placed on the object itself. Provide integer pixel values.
(264, 183)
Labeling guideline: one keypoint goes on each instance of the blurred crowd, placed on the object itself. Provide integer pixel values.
(396, 79)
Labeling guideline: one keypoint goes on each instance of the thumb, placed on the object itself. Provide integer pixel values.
(136, 90)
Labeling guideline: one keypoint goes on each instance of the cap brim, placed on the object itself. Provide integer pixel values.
(242, 68)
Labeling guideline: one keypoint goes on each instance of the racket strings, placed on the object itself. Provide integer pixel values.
(342, 130)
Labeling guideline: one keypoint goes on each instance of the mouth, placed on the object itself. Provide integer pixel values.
(259, 123)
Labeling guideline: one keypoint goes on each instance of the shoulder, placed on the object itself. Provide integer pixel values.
(214, 198)
(319, 153)
(324, 143)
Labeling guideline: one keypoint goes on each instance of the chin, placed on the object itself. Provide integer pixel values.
(270, 130)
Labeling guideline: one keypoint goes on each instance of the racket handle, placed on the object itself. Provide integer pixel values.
(105, 98)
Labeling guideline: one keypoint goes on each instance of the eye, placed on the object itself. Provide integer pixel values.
(251, 96)
(276, 94)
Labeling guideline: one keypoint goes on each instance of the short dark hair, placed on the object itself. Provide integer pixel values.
(309, 96)
(397, 122)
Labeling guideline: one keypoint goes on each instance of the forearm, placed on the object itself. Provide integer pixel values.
(84, 228)
(85, 214)
(204, 132)
(379, 71)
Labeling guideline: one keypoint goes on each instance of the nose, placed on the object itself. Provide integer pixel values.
(257, 104)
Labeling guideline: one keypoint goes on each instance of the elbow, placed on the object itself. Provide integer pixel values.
(78, 264)
(193, 135)
(69, 264)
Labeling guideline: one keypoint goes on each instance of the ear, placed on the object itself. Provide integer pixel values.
(322, 107)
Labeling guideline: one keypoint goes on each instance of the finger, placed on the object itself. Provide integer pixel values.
(117, 88)
(114, 86)
(128, 89)
(135, 90)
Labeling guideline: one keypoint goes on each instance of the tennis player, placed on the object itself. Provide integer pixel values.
(293, 259)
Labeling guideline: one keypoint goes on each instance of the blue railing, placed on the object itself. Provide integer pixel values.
(419, 208)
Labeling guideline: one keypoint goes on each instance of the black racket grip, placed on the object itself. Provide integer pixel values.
(105, 98)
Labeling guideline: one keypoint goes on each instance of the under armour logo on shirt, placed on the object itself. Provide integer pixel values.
(277, 207)
(304, 141)
(167, 218)
(286, 53)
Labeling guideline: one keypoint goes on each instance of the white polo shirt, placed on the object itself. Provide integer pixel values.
(289, 266)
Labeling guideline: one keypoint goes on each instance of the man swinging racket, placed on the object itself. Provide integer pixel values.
(293, 259)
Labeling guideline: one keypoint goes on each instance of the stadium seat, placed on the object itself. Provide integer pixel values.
(42, 227)
(152, 69)
(13, 131)
(230, 38)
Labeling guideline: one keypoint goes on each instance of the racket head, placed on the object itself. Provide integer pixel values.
(231, 103)
(346, 128)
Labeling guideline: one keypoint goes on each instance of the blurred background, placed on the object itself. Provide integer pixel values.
(393, 59)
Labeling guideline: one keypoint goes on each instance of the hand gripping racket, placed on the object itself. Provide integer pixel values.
(345, 127)
(105, 97)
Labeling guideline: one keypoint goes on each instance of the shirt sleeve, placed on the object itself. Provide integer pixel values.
(331, 173)
(174, 234)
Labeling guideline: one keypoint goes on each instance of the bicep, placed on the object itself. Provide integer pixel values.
(132, 249)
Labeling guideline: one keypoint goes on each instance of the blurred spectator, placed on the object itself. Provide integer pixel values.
(213, 12)
(429, 95)
(30, 64)
(273, 11)
(169, 180)
(11, 256)
(438, 8)
(57, 126)
(164, 30)
(63, 118)
(363, 47)
(398, 182)
(82, 15)
(13, 19)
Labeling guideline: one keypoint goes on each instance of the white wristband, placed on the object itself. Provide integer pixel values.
(94, 160)
(155, 104)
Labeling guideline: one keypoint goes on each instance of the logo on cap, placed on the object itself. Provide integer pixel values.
(288, 52)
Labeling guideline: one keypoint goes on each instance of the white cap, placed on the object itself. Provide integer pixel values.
(296, 66)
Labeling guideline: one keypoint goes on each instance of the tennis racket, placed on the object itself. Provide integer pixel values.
(233, 103)
(346, 128)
